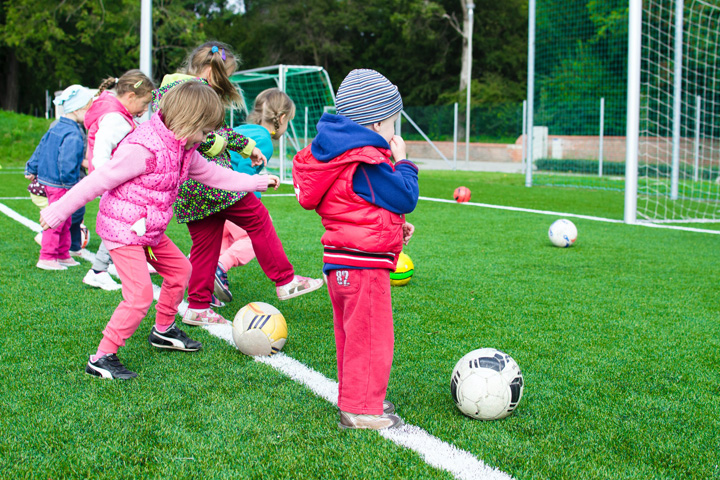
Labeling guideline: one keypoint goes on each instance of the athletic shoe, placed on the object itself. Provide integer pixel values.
(50, 265)
(388, 407)
(298, 286)
(222, 286)
(101, 280)
(173, 339)
(38, 238)
(109, 366)
(372, 422)
(68, 262)
(215, 302)
(82, 253)
(204, 317)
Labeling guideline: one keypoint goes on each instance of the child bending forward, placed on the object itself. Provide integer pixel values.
(140, 185)
(347, 176)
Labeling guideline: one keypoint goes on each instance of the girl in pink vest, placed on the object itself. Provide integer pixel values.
(138, 189)
(109, 120)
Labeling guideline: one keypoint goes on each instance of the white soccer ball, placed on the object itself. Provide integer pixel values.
(259, 329)
(562, 233)
(486, 384)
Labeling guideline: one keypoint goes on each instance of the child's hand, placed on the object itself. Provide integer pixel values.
(43, 224)
(397, 147)
(257, 158)
(273, 181)
(408, 230)
(30, 177)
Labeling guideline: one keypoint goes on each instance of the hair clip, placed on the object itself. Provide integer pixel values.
(137, 84)
(214, 49)
(223, 54)
(117, 80)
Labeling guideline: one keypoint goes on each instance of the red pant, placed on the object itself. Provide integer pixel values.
(364, 337)
(207, 234)
(137, 290)
(56, 241)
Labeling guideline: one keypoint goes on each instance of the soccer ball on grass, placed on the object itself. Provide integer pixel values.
(403, 271)
(562, 233)
(486, 384)
(259, 329)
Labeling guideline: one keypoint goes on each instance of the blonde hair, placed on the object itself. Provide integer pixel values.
(190, 107)
(221, 60)
(270, 105)
(133, 81)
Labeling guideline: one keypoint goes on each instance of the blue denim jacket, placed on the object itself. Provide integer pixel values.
(59, 155)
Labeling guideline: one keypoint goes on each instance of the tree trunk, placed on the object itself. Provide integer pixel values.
(10, 87)
(466, 35)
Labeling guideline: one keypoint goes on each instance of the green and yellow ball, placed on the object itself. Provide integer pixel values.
(403, 272)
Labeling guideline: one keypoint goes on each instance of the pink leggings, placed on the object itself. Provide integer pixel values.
(137, 289)
(236, 247)
(56, 241)
(364, 337)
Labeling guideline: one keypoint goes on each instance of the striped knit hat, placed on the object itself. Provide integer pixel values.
(366, 97)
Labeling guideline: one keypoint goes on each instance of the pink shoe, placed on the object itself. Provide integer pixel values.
(68, 262)
(50, 265)
(204, 317)
(298, 286)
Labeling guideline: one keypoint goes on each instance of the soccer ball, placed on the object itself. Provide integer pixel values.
(84, 236)
(486, 384)
(403, 272)
(462, 194)
(562, 233)
(259, 329)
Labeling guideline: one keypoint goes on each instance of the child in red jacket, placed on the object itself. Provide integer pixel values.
(348, 177)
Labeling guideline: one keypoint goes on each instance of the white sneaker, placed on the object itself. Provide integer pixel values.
(68, 262)
(50, 265)
(101, 280)
(299, 286)
(203, 317)
(112, 270)
(38, 238)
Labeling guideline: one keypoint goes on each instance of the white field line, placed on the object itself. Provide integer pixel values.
(436, 453)
(573, 215)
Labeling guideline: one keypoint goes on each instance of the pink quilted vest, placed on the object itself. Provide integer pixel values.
(105, 103)
(150, 195)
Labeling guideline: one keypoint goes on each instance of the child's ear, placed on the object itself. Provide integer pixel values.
(375, 127)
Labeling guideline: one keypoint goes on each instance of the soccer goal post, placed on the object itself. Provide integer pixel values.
(678, 106)
(310, 89)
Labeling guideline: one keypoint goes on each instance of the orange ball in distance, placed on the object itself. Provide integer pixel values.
(462, 194)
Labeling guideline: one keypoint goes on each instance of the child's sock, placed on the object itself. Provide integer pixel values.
(161, 328)
(98, 355)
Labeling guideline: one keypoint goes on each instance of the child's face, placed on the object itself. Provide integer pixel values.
(197, 137)
(386, 128)
(138, 106)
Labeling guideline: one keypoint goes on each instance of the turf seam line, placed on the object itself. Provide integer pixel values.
(433, 451)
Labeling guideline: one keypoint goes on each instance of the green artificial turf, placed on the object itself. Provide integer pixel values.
(617, 338)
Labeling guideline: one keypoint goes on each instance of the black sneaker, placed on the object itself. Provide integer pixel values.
(109, 366)
(173, 339)
(222, 286)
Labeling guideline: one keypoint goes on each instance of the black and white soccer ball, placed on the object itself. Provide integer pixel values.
(486, 384)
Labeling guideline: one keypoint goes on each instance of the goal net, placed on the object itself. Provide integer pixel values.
(310, 89)
(581, 103)
(679, 156)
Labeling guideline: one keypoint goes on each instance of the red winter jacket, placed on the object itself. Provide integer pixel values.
(357, 233)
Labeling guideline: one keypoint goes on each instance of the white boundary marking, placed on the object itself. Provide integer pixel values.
(436, 453)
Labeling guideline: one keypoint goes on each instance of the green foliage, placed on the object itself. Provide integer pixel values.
(20, 135)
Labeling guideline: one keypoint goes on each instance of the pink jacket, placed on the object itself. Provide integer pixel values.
(357, 233)
(143, 183)
(105, 103)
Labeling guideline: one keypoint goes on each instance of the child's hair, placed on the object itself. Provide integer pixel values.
(270, 105)
(221, 60)
(191, 106)
(131, 81)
